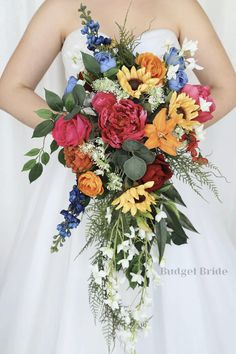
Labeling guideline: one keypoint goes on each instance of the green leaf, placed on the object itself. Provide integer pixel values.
(69, 101)
(35, 172)
(111, 72)
(174, 195)
(179, 236)
(45, 158)
(162, 237)
(45, 113)
(74, 111)
(119, 158)
(33, 152)
(79, 94)
(53, 146)
(61, 157)
(164, 188)
(54, 101)
(28, 165)
(43, 129)
(91, 64)
(135, 168)
(145, 154)
(186, 223)
(131, 145)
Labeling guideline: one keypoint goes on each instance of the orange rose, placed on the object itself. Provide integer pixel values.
(77, 160)
(90, 184)
(152, 63)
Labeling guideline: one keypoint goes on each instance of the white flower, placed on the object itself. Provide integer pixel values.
(200, 132)
(160, 215)
(107, 251)
(191, 64)
(132, 252)
(131, 234)
(108, 215)
(124, 263)
(112, 303)
(140, 315)
(172, 70)
(142, 234)
(124, 246)
(98, 274)
(137, 278)
(168, 44)
(204, 105)
(179, 132)
(189, 46)
(150, 235)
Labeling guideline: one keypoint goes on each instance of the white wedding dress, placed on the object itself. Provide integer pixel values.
(43, 301)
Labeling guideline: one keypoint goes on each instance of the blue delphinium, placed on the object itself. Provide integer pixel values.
(77, 206)
(93, 39)
(172, 57)
(72, 81)
(180, 81)
(105, 60)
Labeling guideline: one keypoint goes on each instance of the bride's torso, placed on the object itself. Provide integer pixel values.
(154, 40)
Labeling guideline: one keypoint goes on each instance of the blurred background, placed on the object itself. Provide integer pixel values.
(15, 137)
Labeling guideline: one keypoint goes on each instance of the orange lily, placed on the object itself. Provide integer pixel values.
(160, 135)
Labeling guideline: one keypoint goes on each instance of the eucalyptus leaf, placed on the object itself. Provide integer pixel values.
(54, 101)
(131, 145)
(43, 129)
(35, 172)
(135, 168)
(147, 155)
(120, 157)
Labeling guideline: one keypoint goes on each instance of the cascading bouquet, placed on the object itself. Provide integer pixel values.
(126, 125)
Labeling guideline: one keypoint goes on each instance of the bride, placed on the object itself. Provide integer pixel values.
(43, 297)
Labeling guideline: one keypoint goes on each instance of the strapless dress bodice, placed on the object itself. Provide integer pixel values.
(154, 41)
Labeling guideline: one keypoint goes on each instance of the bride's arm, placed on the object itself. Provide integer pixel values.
(218, 71)
(34, 54)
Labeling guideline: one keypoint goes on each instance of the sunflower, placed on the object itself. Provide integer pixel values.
(135, 81)
(136, 199)
(160, 133)
(183, 108)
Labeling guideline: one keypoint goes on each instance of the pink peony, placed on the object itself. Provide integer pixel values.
(197, 92)
(121, 121)
(71, 132)
(103, 99)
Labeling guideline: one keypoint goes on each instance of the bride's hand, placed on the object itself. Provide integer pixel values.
(34, 54)
(218, 71)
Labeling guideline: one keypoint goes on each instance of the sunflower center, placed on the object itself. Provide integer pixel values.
(180, 110)
(134, 83)
(141, 199)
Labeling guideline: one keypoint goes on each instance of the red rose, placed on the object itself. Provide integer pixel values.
(103, 99)
(159, 172)
(121, 121)
(71, 132)
(203, 92)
